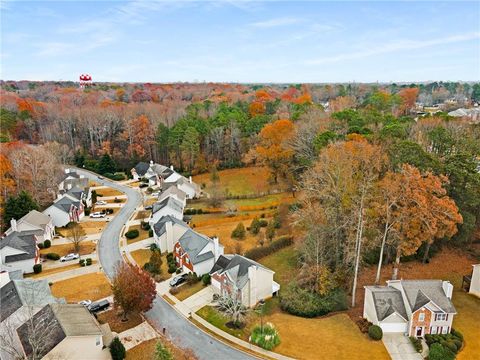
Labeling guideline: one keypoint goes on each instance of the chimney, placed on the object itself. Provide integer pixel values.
(171, 167)
(168, 236)
(190, 179)
(67, 170)
(447, 289)
(151, 162)
(216, 248)
(252, 276)
(13, 224)
(4, 278)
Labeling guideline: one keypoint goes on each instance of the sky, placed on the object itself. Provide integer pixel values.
(240, 41)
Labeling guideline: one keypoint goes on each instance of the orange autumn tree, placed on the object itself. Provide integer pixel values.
(7, 183)
(140, 136)
(273, 149)
(256, 108)
(408, 97)
(423, 212)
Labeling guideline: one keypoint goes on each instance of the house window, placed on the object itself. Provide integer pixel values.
(421, 317)
(433, 331)
(97, 341)
(444, 329)
(441, 317)
(187, 260)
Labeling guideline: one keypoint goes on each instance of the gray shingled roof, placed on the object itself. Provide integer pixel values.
(141, 168)
(421, 292)
(388, 300)
(160, 227)
(237, 268)
(23, 241)
(65, 203)
(172, 190)
(10, 300)
(193, 243)
(76, 192)
(36, 218)
(171, 202)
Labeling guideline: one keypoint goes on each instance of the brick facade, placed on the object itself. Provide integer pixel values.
(181, 257)
(416, 322)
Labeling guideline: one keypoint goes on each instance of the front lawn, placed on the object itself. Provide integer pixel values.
(142, 256)
(467, 321)
(143, 234)
(185, 291)
(146, 350)
(217, 319)
(86, 248)
(55, 270)
(114, 319)
(143, 214)
(107, 192)
(92, 227)
(90, 286)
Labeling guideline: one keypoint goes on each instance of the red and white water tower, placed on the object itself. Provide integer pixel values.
(85, 80)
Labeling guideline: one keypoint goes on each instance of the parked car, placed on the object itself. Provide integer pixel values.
(156, 193)
(99, 306)
(100, 177)
(142, 185)
(97, 215)
(149, 207)
(68, 257)
(177, 280)
(85, 303)
(101, 202)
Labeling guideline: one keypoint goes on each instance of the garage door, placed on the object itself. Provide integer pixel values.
(394, 327)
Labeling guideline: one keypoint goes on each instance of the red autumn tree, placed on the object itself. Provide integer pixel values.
(133, 289)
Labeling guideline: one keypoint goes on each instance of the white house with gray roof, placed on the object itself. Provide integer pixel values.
(64, 210)
(174, 192)
(34, 221)
(252, 281)
(19, 251)
(411, 307)
(168, 206)
(167, 231)
(197, 253)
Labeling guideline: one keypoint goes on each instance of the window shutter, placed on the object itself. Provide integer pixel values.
(446, 318)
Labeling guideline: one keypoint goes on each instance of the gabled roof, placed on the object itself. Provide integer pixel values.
(193, 243)
(17, 293)
(71, 174)
(421, 292)
(160, 226)
(66, 202)
(141, 168)
(172, 190)
(55, 322)
(76, 192)
(24, 241)
(236, 266)
(170, 202)
(36, 218)
(184, 181)
(388, 300)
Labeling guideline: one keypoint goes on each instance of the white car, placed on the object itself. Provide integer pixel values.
(97, 215)
(72, 256)
(155, 194)
(85, 303)
(101, 202)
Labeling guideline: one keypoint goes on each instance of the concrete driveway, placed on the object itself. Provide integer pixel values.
(399, 347)
(199, 299)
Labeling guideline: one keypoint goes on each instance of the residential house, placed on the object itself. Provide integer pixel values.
(154, 173)
(471, 283)
(139, 170)
(34, 221)
(174, 192)
(81, 194)
(168, 206)
(72, 179)
(252, 281)
(20, 300)
(197, 253)
(64, 210)
(66, 331)
(411, 307)
(191, 189)
(19, 251)
(167, 231)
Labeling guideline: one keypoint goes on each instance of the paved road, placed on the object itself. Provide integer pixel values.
(181, 331)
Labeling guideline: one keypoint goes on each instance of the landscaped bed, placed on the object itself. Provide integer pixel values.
(114, 319)
(467, 321)
(142, 256)
(90, 286)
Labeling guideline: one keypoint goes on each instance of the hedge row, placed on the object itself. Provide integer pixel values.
(260, 252)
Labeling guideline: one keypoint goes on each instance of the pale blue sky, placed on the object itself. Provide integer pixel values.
(240, 41)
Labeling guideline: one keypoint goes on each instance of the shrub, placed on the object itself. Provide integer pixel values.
(162, 353)
(260, 252)
(457, 334)
(206, 279)
(47, 244)
(363, 324)
(171, 269)
(266, 337)
(270, 231)
(109, 211)
(375, 332)
(417, 343)
(451, 346)
(145, 225)
(263, 222)
(169, 257)
(37, 268)
(87, 211)
(192, 278)
(150, 233)
(439, 352)
(117, 350)
(174, 290)
(178, 271)
(53, 256)
(255, 226)
(40, 245)
(117, 200)
(81, 262)
(239, 232)
(88, 261)
(132, 234)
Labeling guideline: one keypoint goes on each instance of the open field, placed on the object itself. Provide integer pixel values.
(90, 286)
(114, 319)
(251, 204)
(143, 234)
(86, 247)
(185, 291)
(241, 181)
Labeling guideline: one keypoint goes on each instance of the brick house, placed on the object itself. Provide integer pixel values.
(412, 307)
(197, 253)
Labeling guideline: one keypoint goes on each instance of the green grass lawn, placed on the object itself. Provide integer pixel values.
(284, 263)
(185, 291)
(217, 319)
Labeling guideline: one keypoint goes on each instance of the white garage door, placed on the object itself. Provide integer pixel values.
(394, 327)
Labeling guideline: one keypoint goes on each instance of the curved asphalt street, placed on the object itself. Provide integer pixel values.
(181, 331)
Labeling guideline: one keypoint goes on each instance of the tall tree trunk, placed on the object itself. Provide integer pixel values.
(427, 250)
(397, 264)
(358, 247)
(379, 267)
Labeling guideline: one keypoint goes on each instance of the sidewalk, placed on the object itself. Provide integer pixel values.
(143, 244)
(199, 300)
(70, 273)
(136, 335)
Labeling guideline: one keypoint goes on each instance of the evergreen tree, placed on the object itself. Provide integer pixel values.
(106, 165)
(18, 206)
(117, 350)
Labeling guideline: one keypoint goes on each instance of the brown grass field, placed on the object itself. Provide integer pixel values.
(56, 270)
(108, 192)
(86, 247)
(92, 227)
(141, 215)
(90, 286)
(146, 350)
(143, 234)
(114, 319)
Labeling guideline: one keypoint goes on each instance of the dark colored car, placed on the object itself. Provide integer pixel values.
(149, 207)
(99, 306)
(177, 280)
